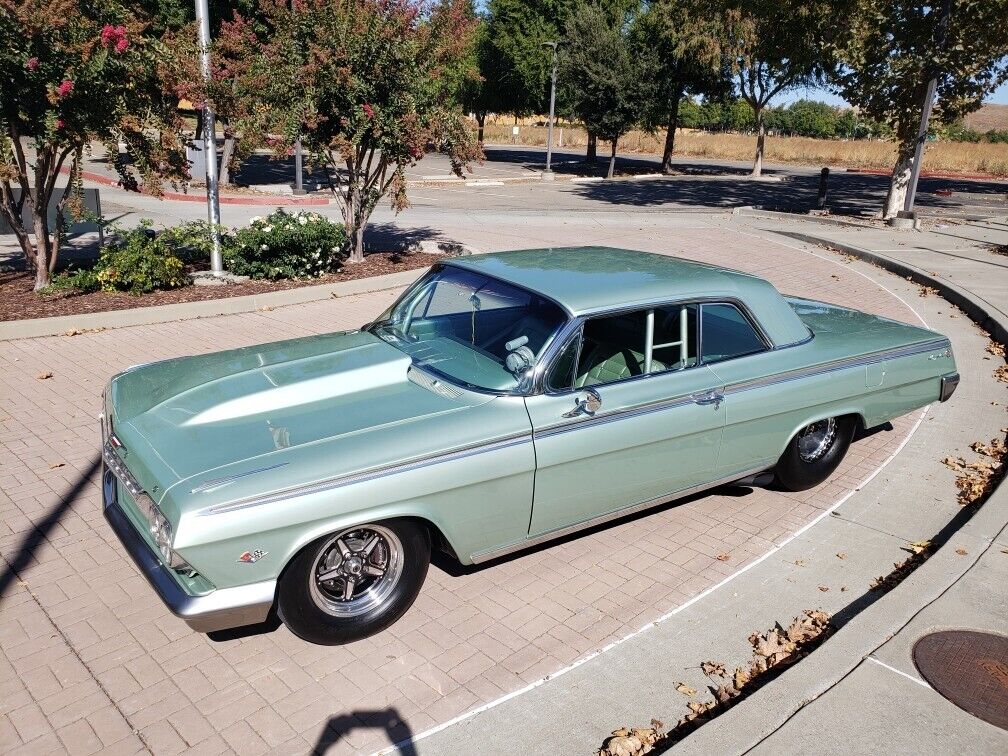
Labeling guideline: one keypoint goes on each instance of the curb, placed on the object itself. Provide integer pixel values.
(973, 306)
(224, 199)
(61, 325)
(936, 174)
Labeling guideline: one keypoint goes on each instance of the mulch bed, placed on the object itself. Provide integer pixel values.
(18, 300)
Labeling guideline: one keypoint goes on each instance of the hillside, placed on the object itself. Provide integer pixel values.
(989, 117)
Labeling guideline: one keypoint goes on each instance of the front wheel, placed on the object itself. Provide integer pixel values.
(354, 583)
(815, 452)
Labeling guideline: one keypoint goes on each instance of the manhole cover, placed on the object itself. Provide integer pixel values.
(970, 669)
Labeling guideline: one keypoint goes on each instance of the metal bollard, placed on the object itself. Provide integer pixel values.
(823, 181)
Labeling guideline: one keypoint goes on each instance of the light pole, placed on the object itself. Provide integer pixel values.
(298, 156)
(548, 173)
(209, 142)
(940, 32)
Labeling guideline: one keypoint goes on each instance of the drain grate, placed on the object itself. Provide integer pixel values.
(968, 668)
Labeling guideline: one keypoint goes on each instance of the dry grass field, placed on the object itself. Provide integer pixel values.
(956, 157)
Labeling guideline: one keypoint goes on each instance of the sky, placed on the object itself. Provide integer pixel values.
(999, 96)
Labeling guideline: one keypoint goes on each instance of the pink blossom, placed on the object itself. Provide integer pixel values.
(33, 64)
(114, 37)
(65, 88)
(60, 123)
(368, 110)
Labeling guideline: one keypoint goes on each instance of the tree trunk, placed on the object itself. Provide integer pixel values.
(757, 169)
(673, 124)
(355, 220)
(224, 177)
(480, 123)
(612, 160)
(899, 181)
(591, 153)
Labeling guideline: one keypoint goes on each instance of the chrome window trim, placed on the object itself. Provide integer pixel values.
(498, 551)
(339, 481)
(747, 316)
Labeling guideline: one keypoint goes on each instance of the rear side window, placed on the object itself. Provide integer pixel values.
(726, 333)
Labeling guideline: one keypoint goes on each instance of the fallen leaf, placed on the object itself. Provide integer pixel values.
(723, 557)
(824, 588)
(917, 546)
(685, 689)
(799, 562)
(44, 376)
(713, 669)
(56, 465)
(842, 555)
(961, 552)
(843, 589)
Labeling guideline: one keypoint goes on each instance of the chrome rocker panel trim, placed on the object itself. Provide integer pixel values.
(485, 556)
(221, 609)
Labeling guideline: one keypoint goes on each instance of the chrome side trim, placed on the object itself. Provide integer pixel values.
(499, 551)
(732, 388)
(339, 481)
(213, 485)
(835, 365)
(613, 415)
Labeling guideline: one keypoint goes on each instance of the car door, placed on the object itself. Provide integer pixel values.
(627, 416)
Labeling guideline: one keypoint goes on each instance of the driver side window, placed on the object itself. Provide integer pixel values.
(616, 347)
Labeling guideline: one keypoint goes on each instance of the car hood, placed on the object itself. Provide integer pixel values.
(246, 411)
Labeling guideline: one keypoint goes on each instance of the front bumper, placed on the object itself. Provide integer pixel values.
(220, 609)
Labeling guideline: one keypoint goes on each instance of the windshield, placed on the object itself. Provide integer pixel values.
(471, 329)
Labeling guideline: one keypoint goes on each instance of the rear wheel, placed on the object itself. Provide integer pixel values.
(354, 583)
(815, 452)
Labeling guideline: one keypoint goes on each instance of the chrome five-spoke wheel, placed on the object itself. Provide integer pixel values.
(354, 582)
(356, 570)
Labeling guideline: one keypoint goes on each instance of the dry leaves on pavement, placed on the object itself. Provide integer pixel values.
(44, 376)
(976, 479)
(776, 648)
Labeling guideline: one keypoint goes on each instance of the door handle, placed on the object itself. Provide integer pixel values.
(713, 396)
(587, 403)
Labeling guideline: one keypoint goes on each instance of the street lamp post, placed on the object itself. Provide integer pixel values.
(298, 154)
(548, 173)
(209, 142)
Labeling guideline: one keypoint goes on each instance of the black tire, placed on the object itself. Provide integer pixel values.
(316, 611)
(798, 469)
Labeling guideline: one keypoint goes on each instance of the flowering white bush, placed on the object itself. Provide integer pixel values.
(287, 245)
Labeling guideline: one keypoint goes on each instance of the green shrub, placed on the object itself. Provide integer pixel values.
(190, 242)
(138, 262)
(287, 245)
(83, 280)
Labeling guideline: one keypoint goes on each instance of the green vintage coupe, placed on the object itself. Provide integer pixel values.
(503, 400)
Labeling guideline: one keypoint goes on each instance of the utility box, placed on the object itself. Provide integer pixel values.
(92, 205)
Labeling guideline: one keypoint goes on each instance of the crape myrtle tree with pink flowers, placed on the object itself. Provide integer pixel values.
(74, 72)
(367, 85)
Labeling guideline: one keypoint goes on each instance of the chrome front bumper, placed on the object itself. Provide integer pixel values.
(220, 609)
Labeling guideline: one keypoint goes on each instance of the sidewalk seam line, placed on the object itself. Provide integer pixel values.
(917, 680)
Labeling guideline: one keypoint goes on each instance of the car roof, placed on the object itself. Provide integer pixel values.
(589, 280)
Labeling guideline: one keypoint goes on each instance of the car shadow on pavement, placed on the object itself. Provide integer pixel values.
(399, 733)
(22, 556)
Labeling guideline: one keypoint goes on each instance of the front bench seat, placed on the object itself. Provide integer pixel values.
(607, 363)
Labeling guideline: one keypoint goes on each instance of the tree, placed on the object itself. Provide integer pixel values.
(482, 94)
(367, 85)
(77, 71)
(678, 51)
(600, 71)
(773, 45)
(895, 47)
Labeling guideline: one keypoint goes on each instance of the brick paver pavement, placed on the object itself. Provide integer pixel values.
(91, 661)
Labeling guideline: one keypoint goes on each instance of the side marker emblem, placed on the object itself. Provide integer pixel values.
(252, 556)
